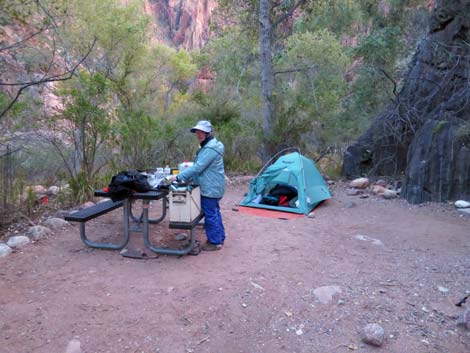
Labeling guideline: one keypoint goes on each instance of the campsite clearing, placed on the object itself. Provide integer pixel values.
(298, 285)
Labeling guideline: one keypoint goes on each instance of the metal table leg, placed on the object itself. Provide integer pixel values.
(151, 220)
(166, 251)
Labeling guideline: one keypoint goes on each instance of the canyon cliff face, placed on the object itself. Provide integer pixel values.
(424, 136)
(181, 23)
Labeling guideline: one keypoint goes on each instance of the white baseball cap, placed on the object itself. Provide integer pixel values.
(202, 125)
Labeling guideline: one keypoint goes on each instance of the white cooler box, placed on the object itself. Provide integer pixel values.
(185, 205)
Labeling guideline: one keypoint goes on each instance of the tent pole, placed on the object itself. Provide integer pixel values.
(276, 156)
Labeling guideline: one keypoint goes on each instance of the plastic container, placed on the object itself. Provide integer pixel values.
(159, 173)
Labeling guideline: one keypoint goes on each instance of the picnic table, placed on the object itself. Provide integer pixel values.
(133, 224)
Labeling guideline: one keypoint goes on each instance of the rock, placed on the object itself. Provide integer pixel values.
(4, 250)
(61, 213)
(256, 285)
(465, 211)
(311, 215)
(18, 241)
(55, 222)
(133, 253)
(381, 182)
(462, 204)
(188, 23)
(378, 189)
(354, 192)
(438, 167)
(373, 334)
(74, 346)
(181, 236)
(325, 294)
(443, 289)
(434, 159)
(367, 238)
(53, 190)
(86, 204)
(464, 320)
(389, 194)
(39, 189)
(38, 232)
(359, 183)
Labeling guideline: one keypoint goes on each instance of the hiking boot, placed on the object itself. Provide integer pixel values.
(211, 247)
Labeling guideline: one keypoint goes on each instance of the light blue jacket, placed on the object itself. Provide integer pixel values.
(208, 170)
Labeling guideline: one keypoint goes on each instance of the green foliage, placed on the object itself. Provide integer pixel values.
(439, 126)
(150, 97)
(139, 134)
(131, 103)
(463, 134)
(310, 87)
(337, 16)
(381, 47)
(120, 31)
(89, 128)
(234, 57)
(82, 187)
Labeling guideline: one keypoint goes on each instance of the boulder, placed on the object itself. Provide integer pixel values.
(18, 241)
(38, 232)
(462, 204)
(4, 250)
(359, 183)
(389, 194)
(39, 189)
(86, 205)
(378, 189)
(55, 222)
(53, 190)
(381, 182)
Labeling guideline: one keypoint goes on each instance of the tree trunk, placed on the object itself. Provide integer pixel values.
(425, 135)
(267, 78)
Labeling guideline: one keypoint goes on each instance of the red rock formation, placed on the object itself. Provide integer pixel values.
(181, 23)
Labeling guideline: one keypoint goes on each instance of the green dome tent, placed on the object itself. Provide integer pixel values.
(289, 175)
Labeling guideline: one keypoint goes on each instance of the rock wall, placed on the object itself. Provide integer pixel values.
(181, 23)
(425, 135)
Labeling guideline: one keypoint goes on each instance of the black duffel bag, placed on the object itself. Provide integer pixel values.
(125, 183)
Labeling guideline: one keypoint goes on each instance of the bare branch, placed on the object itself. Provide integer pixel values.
(288, 14)
(395, 93)
(59, 77)
(10, 152)
(17, 44)
(308, 68)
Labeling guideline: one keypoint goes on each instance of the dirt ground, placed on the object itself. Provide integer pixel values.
(401, 266)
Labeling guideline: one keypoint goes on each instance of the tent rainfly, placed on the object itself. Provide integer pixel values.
(291, 184)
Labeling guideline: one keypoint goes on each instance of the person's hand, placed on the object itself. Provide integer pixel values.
(171, 178)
